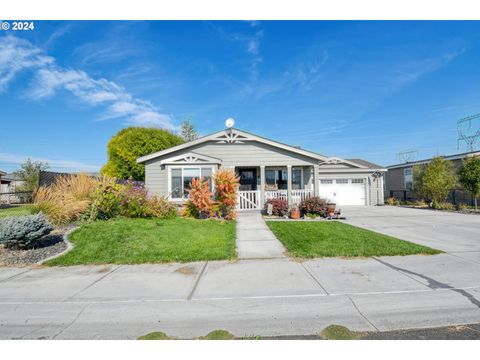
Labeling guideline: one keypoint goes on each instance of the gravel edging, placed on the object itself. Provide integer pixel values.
(65, 240)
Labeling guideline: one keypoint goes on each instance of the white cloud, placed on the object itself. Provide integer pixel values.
(17, 55)
(54, 163)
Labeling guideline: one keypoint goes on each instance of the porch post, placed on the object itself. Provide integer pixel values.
(316, 180)
(262, 186)
(289, 184)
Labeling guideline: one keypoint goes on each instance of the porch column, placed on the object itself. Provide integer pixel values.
(289, 184)
(316, 180)
(262, 186)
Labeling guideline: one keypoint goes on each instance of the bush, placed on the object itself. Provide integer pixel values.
(133, 200)
(443, 206)
(226, 185)
(201, 197)
(190, 210)
(161, 208)
(66, 200)
(105, 202)
(313, 205)
(23, 231)
(279, 206)
(393, 201)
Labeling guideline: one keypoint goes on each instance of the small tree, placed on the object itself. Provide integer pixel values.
(469, 177)
(129, 144)
(201, 197)
(226, 185)
(187, 129)
(29, 173)
(434, 180)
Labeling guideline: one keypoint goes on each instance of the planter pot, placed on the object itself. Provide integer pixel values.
(295, 214)
(331, 207)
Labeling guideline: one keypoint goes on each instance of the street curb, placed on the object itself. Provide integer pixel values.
(69, 247)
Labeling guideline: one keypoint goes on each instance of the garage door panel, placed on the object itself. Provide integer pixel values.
(344, 191)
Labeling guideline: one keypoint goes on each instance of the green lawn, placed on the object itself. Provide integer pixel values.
(332, 238)
(136, 241)
(15, 211)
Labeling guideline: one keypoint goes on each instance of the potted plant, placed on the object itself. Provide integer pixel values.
(295, 212)
(330, 209)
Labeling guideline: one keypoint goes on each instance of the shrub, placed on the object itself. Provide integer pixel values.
(461, 207)
(190, 210)
(133, 200)
(393, 201)
(105, 202)
(443, 206)
(23, 231)
(279, 206)
(312, 215)
(161, 208)
(313, 205)
(226, 185)
(201, 197)
(65, 200)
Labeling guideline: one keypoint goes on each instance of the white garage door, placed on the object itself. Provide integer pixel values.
(344, 191)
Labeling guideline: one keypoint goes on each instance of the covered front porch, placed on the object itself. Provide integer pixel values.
(258, 184)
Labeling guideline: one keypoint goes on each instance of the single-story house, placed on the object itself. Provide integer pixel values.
(8, 186)
(266, 168)
(399, 178)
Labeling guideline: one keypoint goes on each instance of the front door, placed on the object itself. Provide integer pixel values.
(248, 179)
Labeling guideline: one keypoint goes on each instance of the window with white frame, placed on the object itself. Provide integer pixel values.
(181, 178)
(408, 178)
(341, 181)
(326, 181)
(357, 181)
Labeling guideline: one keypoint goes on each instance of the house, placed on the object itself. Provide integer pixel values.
(266, 168)
(8, 186)
(399, 178)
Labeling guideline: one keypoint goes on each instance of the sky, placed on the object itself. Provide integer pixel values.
(351, 89)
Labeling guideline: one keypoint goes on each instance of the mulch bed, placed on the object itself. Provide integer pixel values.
(50, 245)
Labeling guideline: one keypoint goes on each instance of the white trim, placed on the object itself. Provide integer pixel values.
(351, 170)
(191, 158)
(366, 183)
(336, 160)
(231, 136)
(180, 166)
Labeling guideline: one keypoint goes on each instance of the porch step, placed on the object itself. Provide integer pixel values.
(254, 238)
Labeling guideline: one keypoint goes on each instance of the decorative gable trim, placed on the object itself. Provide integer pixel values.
(233, 136)
(191, 158)
(336, 160)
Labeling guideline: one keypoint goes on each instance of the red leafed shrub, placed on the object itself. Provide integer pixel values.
(226, 185)
(201, 197)
(280, 206)
(313, 205)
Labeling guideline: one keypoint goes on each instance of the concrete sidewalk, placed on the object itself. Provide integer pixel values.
(254, 238)
(247, 297)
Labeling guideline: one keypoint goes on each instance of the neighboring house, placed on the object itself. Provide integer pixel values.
(266, 168)
(8, 186)
(399, 178)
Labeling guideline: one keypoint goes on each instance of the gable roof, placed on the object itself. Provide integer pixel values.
(230, 136)
(366, 163)
(445, 157)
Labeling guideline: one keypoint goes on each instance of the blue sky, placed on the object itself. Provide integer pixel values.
(348, 89)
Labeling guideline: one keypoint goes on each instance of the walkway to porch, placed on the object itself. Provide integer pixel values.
(254, 238)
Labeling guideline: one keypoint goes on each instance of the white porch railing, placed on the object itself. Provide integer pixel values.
(250, 199)
(297, 195)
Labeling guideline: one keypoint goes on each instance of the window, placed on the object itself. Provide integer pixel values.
(341, 181)
(408, 178)
(357, 181)
(296, 179)
(326, 181)
(182, 177)
(276, 179)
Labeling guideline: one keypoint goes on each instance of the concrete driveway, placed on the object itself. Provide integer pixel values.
(447, 231)
(257, 297)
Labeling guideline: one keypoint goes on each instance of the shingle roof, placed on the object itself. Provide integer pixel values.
(366, 163)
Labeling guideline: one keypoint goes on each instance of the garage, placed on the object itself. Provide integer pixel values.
(344, 191)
